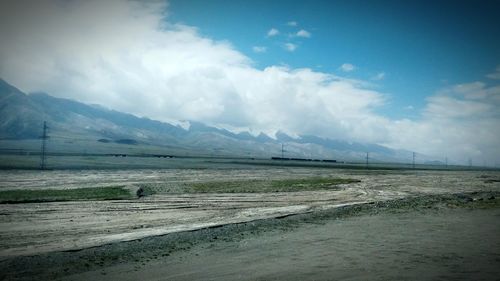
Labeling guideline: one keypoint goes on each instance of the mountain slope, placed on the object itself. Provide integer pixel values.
(22, 117)
(19, 115)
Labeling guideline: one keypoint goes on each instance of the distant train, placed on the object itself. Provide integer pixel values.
(304, 159)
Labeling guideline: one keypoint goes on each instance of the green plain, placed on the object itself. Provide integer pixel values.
(255, 186)
(51, 195)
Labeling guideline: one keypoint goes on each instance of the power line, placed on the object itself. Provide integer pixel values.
(44, 138)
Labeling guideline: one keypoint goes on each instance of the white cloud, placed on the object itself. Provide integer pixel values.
(460, 121)
(473, 91)
(450, 107)
(290, 47)
(292, 23)
(495, 75)
(347, 67)
(379, 76)
(124, 55)
(259, 49)
(273, 32)
(303, 33)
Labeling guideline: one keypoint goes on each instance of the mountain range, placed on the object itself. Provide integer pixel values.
(22, 116)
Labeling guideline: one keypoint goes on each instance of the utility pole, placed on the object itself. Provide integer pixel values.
(413, 162)
(367, 156)
(44, 138)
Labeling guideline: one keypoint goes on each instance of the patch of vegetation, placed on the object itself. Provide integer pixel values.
(127, 141)
(51, 195)
(285, 185)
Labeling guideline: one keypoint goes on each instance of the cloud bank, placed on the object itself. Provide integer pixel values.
(127, 56)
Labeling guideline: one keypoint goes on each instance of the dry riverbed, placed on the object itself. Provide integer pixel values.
(57, 239)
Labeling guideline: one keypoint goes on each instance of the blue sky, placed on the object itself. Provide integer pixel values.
(420, 46)
(422, 76)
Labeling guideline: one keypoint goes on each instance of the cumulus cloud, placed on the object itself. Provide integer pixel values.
(303, 33)
(292, 23)
(347, 67)
(290, 47)
(259, 49)
(273, 32)
(127, 56)
(449, 107)
(460, 121)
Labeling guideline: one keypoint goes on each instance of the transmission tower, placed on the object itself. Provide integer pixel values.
(282, 151)
(367, 156)
(44, 138)
(413, 162)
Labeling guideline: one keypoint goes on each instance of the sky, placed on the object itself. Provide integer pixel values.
(417, 75)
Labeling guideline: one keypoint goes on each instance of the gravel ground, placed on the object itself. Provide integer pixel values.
(33, 230)
(445, 236)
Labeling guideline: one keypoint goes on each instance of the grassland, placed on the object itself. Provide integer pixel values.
(120, 192)
(51, 195)
(285, 185)
(250, 186)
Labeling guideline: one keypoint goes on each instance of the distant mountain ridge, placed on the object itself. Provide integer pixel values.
(21, 117)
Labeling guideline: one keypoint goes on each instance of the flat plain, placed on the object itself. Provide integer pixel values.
(180, 202)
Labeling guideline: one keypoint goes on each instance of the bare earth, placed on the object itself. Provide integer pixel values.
(36, 233)
(28, 229)
(445, 245)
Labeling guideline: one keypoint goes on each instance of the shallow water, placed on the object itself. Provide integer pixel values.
(457, 244)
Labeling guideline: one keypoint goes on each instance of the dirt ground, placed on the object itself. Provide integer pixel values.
(445, 245)
(36, 228)
(431, 237)
(223, 236)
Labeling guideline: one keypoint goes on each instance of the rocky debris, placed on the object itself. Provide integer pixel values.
(464, 198)
(140, 192)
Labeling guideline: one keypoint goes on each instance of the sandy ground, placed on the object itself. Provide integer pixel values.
(35, 228)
